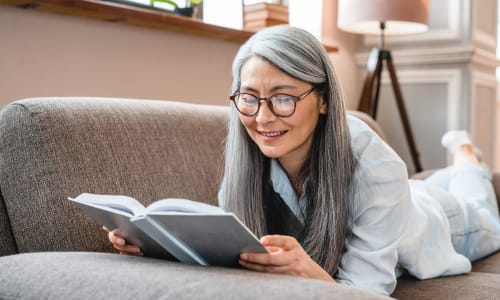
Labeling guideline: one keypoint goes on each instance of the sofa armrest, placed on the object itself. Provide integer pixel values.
(369, 121)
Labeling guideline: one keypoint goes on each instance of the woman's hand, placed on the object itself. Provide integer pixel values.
(120, 244)
(286, 256)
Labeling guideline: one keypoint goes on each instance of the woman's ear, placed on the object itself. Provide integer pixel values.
(323, 110)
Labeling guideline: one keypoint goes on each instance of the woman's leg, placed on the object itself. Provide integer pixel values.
(471, 181)
(440, 178)
(470, 184)
(452, 140)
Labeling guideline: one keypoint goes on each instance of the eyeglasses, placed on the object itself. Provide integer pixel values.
(281, 105)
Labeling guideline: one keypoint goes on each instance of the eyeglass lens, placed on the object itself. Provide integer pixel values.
(281, 104)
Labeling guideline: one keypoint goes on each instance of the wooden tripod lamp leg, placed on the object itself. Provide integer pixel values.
(402, 112)
(374, 68)
(368, 102)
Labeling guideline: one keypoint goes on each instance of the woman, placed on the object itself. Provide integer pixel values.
(330, 199)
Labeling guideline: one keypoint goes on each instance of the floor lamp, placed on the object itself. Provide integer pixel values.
(384, 17)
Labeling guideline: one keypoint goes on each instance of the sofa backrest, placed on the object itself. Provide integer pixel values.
(51, 149)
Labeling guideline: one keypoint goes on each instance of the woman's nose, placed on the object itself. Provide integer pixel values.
(264, 115)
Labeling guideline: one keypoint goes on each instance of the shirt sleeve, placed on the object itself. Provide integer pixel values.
(382, 202)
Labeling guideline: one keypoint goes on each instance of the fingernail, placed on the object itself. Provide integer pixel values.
(243, 256)
(120, 242)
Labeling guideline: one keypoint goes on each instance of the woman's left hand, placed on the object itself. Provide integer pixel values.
(286, 256)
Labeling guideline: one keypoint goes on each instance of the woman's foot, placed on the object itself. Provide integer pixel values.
(452, 139)
(459, 144)
(464, 154)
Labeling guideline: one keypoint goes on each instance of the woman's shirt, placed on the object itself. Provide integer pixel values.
(387, 226)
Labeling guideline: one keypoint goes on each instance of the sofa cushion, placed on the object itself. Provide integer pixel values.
(7, 243)
(490, 264)
(57, 148)
(84, 275)
(468, 286)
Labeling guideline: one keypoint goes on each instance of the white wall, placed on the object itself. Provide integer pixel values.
(447, 77)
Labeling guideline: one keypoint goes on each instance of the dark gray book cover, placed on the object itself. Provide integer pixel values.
(189, 231)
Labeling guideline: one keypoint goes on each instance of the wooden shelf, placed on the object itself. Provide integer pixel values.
(116, 12)
(147, 17)
(260, 15)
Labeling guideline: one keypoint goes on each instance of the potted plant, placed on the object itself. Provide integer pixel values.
(193, 8)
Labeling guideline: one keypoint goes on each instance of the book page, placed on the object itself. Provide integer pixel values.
(119, 204)
(115, 213)
(176, 205)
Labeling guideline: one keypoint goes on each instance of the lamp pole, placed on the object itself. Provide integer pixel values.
(382, 35)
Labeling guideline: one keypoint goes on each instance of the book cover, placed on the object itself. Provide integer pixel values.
(189, 231)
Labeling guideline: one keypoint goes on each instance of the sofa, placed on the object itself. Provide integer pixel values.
(55, 148)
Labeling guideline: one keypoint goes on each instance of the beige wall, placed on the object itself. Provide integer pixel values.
(344, 60)
(48, 54)
(497, 139)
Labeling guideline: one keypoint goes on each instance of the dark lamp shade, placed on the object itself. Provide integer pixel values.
(400, 16)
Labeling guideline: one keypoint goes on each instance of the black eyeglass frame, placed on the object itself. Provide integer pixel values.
(295, 99)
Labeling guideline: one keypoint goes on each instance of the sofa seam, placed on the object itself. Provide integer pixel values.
(7, 215)
(25, 107)
(31, 114)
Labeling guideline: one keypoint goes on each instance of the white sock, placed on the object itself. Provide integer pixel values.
(452, 139)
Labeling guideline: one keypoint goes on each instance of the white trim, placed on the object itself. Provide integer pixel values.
(451, 77)
(425, 56)
(486, 80)
(484, 39)
(438, 56)
(485, 58)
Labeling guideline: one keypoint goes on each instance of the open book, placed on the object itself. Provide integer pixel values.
(189, 231)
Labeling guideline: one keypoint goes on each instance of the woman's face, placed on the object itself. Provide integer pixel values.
(287, 139)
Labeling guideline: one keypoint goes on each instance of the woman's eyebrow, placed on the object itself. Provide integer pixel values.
(283, 87)
(248, 89)
(273, 89)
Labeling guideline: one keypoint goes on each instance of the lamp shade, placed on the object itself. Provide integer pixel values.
(399, 16)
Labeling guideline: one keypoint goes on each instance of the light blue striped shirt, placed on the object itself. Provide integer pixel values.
(388, 228)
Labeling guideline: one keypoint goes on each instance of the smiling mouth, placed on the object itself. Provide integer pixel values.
(272, 133)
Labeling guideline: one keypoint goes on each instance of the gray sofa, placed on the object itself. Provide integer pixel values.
(51, 149)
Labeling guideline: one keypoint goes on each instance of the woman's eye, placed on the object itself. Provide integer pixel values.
(282, 99)
(248, 100)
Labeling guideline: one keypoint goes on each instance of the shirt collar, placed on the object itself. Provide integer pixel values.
(283, 186)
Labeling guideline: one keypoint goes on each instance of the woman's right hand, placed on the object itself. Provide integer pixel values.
(120, 244)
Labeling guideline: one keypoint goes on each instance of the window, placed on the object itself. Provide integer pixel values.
(225, 13)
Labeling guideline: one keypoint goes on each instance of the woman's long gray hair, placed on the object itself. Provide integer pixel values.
(331, 163)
